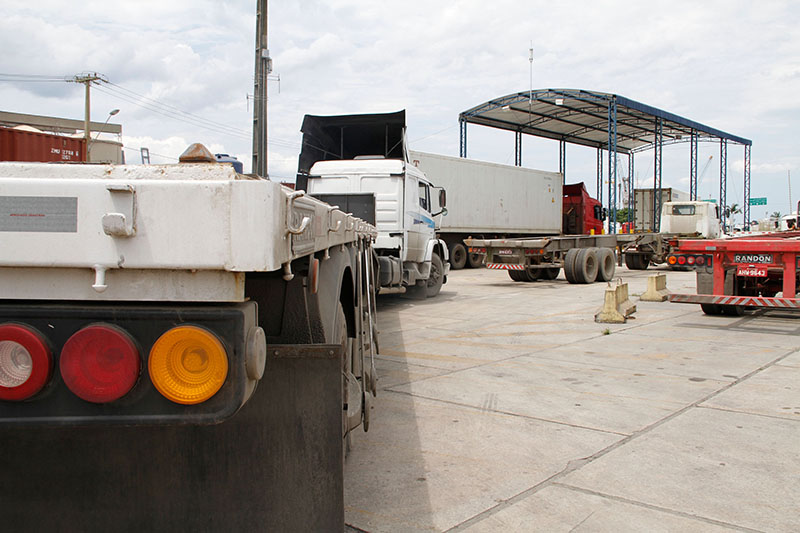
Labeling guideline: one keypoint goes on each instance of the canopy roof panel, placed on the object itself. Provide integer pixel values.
(582, 117)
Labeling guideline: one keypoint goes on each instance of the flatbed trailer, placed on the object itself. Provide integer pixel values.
(584, 258)
(734, 274)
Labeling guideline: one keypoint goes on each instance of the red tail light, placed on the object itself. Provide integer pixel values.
(681, 259)
(100, 363)
(701, 260)
(26, 362)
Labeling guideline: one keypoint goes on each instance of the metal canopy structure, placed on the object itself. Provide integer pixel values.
(606, 122)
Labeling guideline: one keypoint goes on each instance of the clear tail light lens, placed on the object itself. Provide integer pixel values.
(26, 362)
(188, 365)
(690, 260)
(100, 363)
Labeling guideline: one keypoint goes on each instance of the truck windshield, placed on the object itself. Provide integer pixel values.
(683, 210)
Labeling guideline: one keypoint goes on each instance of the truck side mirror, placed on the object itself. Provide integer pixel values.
(442, 212)
(442, 198)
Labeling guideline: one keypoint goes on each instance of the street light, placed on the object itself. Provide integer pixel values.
(100, 130)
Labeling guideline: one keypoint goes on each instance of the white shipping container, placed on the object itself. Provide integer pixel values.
(489, 198)
(643, 198)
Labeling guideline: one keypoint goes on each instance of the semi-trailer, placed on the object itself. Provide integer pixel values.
(182, 347)
(587, 258)
(493, 201)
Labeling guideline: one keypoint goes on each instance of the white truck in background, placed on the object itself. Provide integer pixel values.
(490, 201)
(360, 163)
(181, 348)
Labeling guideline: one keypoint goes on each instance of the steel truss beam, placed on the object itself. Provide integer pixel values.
(723, 182)
(612, 166)
(746, 208)
(657, 153)
(693, 168)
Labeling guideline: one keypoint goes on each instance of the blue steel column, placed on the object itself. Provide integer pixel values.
(612, 166)
(562, 160)
(657, 176)
(631, 206)
(463, 137)
(693, 168)
(747, 186)
(723, 181)
(518, 148)
(600, 176)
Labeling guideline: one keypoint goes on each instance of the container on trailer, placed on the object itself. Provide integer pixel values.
(24, 145)
(643, 198)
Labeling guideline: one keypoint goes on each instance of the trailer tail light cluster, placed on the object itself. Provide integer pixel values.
(533, 251)
(26, 362)
(479, 251)
(688, 260)
(101, 363)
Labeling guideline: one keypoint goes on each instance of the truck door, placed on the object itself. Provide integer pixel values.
(419, 222)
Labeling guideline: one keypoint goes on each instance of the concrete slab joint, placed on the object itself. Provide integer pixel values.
(656, 289)
(617, 306)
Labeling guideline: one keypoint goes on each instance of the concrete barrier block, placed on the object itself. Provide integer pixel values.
(617, 307)
(656, 289)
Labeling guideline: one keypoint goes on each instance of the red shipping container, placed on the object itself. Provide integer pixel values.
(21, 145)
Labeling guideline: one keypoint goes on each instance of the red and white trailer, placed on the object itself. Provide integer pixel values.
(732, 274)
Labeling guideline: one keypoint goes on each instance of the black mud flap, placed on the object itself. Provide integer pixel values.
(274, 466)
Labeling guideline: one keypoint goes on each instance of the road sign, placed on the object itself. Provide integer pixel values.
(758, 201)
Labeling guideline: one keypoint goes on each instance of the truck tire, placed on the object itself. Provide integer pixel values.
(517, 275)
(474, 260)
(607, 264)
(458, 256)
(637, 261)
(532, 274)
(340, 337)
(436, 279)
(711, 309)
(551, 273)
(586, 265)
(569, 265)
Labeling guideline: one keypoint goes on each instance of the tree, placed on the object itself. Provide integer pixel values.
(731, 211)
(776, 214)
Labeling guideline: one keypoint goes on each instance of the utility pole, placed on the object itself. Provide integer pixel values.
(87, 80)
(263, 68)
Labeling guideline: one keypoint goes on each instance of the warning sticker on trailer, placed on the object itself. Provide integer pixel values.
(48, 214)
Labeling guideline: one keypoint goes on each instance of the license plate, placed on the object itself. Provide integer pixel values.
(751, 271)
(505, 251)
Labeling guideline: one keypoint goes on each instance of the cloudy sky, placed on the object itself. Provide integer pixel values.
(182, 72)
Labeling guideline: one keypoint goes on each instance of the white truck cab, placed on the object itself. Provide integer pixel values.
(691, 218)
(384, 189)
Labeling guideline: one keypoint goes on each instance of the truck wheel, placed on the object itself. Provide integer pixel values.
(551, 273)
(436, 279)
(711, 309)
(586, 265)
(607, 264)
(732, 310)
(340, 337)
(515, 275)
(532, 274)
(637, 261)
(474, 260)
(458, 256)
(569, 265)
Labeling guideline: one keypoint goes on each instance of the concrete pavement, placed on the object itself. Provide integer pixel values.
(503, 406)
